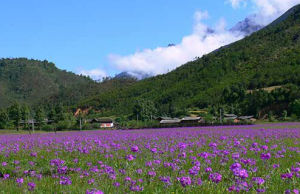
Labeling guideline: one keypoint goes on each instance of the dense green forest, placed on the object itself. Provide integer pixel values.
(233, 79)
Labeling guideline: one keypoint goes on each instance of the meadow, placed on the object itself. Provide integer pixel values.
(254, 158)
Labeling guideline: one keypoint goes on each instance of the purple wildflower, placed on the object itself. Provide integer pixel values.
(185, 181)
(242, 173)
(152, 173)
(20, 181)
(65, 180)
(258, 180)
(235, 166)
(134, 148)
(286, 176)
(130, 157)
(31, 186)
(266, 156)
(215, 177)
(4, 163)
(5, 176)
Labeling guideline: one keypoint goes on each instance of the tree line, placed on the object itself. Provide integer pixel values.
(20, 116)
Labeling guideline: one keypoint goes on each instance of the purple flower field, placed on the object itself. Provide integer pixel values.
(257, 158)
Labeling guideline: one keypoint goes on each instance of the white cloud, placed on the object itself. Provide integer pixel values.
(267, 10)
(237, 3)
(163, 59)
(96, 74)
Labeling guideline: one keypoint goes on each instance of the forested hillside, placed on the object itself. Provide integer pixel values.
(36, 82)
(269, 57)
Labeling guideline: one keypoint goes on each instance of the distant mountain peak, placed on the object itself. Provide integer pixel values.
(124, 75)
(247, 26)
(132, 75)
(171, 45)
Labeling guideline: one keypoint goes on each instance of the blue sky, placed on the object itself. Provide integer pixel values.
(80, 35)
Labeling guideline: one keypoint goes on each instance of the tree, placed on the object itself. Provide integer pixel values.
(25, 114)
(144, 110)
(296, 107)
(52, 114)
(3, 119)
(59, 113)
(15, 114)
(40, 116)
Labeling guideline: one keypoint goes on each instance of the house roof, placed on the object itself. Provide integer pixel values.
(245, 117)
(170, 121)
(191, 118)
(101, 120)
(230, 115)
(230, 118)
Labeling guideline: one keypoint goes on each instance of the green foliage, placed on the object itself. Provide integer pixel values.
(64, 124)
(25, 115)
(3, 119)
(15, 114)
(144, 110)
(296, 107)
(284, 115)
(52, 114)
(40, 117)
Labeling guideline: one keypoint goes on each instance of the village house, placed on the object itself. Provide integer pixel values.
(103, 122)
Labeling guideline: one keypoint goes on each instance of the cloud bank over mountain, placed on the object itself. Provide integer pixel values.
(164, 59)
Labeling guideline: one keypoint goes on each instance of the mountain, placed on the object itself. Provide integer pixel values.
(124, 75)
(246, 27)
(268, 57)
(40, 82)
(132, 75)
